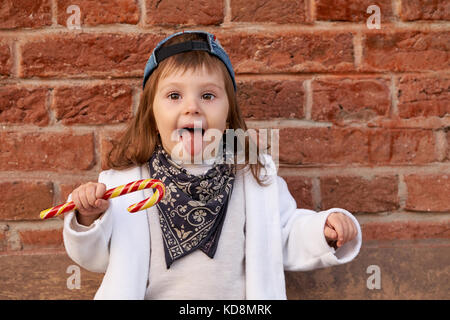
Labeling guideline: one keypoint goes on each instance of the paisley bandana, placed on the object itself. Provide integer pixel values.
(193, 210)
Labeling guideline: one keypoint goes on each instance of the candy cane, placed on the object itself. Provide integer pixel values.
(158, 193)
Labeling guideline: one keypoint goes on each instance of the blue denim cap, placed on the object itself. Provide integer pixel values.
(212, 46)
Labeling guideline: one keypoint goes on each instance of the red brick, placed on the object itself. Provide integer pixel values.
(87, 55)
(448, 144)
(341, 99)
(102, 104)
(323, 146)
(3, 240)
(289, 51)
(425, 10)
(176, 12)
(401, 230)
(428, 192)
(5, 60)
(358, 194)
(23, 200)
(268, 99)
(406, 51)
(301, 189)
(19, 105)
(423, 96)
(33, 239)
(283, 11)
(46, 151)
(25, 14)
(97, 12)
(351, 10)
(412, 146)
(303, 146)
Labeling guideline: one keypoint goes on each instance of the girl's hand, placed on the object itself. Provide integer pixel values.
(89, 202)
(340, 228)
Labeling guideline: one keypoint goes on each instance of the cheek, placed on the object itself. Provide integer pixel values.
(220, 118)
(164, 123)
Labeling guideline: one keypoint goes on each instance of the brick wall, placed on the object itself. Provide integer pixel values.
(363, 117)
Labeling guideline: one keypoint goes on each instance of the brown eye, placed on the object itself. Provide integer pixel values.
(208, 96)
(174, 96)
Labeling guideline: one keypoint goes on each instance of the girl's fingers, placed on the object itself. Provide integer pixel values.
(338, 227)
(75, 198)
(354, 231)
(330, 233)
(103, 204)
(100, 191)
(344, 233)
(90, 195)
(351, 229)
(84, 200)
(344, 226)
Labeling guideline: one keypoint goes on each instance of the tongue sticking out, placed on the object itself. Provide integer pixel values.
(192, 141)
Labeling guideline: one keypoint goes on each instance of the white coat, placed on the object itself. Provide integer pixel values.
(278, 237)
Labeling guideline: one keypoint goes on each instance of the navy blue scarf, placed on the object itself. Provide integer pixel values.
(193, 210)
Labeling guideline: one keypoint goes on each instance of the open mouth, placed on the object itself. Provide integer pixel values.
(191, 130)
(191, 136)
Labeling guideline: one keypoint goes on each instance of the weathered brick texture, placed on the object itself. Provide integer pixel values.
(301, 189)
(25, 14)
(352, 10)
(425, 10)
(289, 52)
(424, 96)
(363, 116)
(24, 105)
(359, 194)
(175, 12)
(20, 200)
(428, 192)
(281, 12)
(102, 104)
(97, 12)
(269, 99)
(406, 51)
(46, 151)
(5, 60)
(339, 99)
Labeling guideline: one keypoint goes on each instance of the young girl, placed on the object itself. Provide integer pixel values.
(223, 230)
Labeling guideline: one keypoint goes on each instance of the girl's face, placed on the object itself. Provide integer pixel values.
(185, 107)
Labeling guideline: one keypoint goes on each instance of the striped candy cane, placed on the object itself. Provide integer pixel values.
(155, 184)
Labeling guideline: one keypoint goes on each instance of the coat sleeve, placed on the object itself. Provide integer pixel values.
(89, 246)
(304, 244)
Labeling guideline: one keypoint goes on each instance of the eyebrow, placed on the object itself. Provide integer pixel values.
(181, 84)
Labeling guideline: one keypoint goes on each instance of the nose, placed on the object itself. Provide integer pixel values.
(191, 106)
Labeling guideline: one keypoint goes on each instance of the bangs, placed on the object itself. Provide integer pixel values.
(192, 60)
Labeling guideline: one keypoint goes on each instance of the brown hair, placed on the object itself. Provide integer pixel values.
(139, 140)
